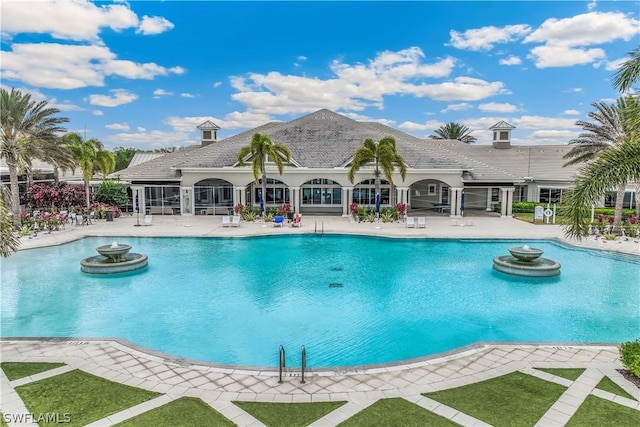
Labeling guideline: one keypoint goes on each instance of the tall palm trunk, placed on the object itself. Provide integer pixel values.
(264, 188)
(617, 217)
(12, 165)
(638, 199)
(87, 189)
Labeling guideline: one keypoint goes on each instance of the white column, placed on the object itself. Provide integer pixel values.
(505, 203)
(295, 195)
(510, 192)
(346, 200)
(238, 196)
(186, 201)
(402, 194)
(489, 203)
(455, 200)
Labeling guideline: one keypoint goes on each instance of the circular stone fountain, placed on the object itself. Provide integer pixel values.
(526, 261)
(113, 258)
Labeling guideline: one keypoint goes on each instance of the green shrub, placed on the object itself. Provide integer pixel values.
(630, 356)
(524, 207)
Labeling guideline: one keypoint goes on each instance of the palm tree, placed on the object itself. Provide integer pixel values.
(384, 157)
(29, 130)
(608, 129)
(9, 241)
(627, 75)
(613, 167)
(629, 72)
(89, 156)
(263, 149)
(454, 131)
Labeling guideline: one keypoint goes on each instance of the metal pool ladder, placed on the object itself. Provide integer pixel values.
(321, 230)
(282, 363)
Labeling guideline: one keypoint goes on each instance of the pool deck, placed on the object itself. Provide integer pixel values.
(220, 385)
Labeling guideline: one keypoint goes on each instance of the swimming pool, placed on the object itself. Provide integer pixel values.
(351, 300)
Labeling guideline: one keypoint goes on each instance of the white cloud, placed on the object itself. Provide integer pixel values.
(97, 113)
(484, 38)
(563, 56)
(59, 66)
(359, 86)
(563, 135)
(586, 29)
(574, 89)
(76, 20)
(511, 60)
(120, 97)
(615, 64)
(217, 84)
(496, 107)
(430, 125)
(567, 41)
(187, 95)
(151, 25)
(141, 129)
(571, 112)
(541, 123)
(153, 139)
(592, 5)
(159, 93)
(457, 107)
(118, 126)
(302, 58)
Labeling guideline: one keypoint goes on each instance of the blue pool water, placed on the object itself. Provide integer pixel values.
(350, 300)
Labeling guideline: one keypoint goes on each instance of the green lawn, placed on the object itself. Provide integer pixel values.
(288, 414)
(186, 411)
(85, 397)
(514, 399)
(17, 370)
(396, 412)
(566, 373)
(607, 384)
(600, 412)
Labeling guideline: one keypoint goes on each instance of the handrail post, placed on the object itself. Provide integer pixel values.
(304, 362)
(281, 363)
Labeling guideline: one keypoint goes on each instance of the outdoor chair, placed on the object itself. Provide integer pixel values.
(422, 222)
(226, 221)
(235, 221)
(411, 222)
(148, 219)
(278, 221)
(297, 220)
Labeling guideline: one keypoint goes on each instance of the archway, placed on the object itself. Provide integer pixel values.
(213, 196)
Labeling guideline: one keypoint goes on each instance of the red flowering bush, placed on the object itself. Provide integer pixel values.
(402, 208)
(354, 210)
(237, 209)
(284, 209)
(55, 196)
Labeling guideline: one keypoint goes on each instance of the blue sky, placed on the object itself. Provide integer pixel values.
(144, 74)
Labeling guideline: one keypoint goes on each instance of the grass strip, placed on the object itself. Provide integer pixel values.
(2, 423)
(607, 384)
(288, 414)
(84, 397)
(186, 411)
(595, 411)
(396, 412)
(514, 399)
(16, 370)
(571, 374)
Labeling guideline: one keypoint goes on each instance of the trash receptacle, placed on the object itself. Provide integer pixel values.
(109, 215)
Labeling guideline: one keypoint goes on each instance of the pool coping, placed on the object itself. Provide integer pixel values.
(137, 350)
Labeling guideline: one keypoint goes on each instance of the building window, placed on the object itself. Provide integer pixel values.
(504, 135)
(206, 134)
(321, 191)
(550, 195)
(520, 195)
(365, 193)
(432, 189)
